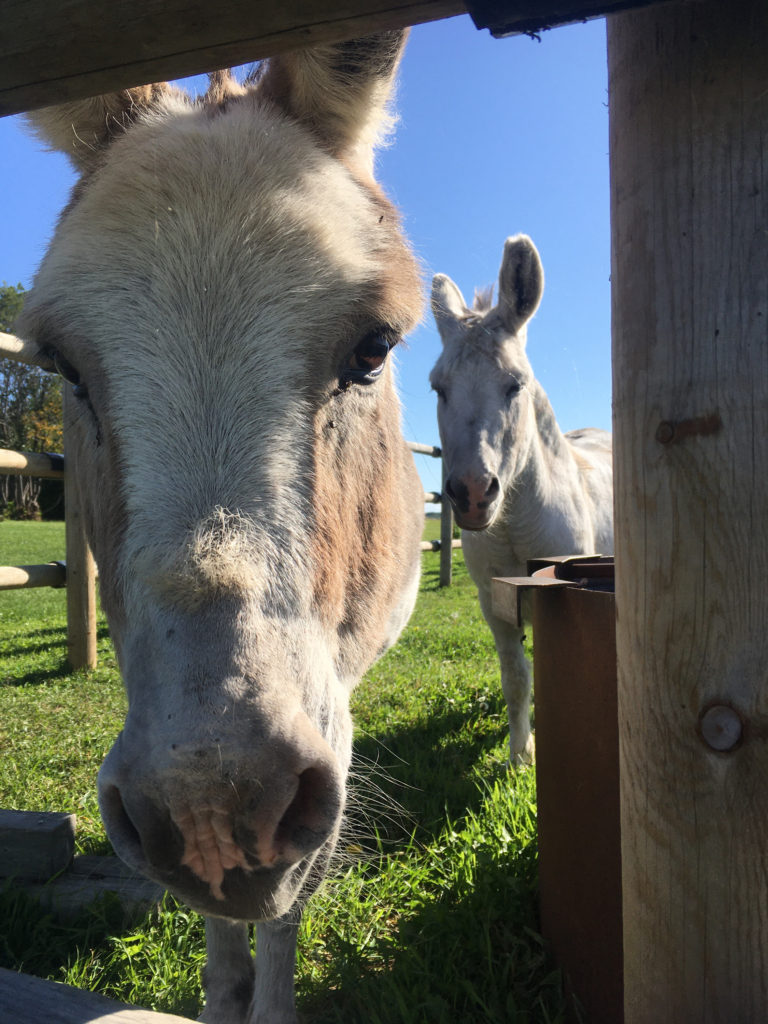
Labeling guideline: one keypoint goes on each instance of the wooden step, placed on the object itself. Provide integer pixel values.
(25, 999)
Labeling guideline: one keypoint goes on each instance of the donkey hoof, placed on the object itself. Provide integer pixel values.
(525, 757)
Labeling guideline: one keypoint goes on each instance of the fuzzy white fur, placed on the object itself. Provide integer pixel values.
(216, 268)
(524, 489)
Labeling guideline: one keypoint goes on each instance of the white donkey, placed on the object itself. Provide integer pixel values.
(223, 292)
(519, 487)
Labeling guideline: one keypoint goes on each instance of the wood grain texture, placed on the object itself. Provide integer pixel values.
(41, 464)
(81, 567)
(28, 1000)
(29, 577)
(689, 137)
(51, 53)
(35, 845)
(23, 352)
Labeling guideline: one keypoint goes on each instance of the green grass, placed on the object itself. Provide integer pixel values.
(430, 916)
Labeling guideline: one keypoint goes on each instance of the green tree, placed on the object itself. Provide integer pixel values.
(30, 414)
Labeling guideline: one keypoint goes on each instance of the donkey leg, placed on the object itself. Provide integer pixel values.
(515, 682)
(516, 686)
(273, 997)
(228, 977)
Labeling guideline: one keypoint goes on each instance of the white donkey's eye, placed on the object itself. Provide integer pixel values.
(514, 388)
(367, 360)
(67, 371)
(440, 392)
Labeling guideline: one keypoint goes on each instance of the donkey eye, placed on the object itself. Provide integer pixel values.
(367, 360)
(67, 371)
(514, 388)
(440, 392)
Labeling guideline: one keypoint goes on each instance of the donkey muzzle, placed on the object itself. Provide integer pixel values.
(232, 833)
(474, 499)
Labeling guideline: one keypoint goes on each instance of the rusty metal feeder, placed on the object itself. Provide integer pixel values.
(577, 773)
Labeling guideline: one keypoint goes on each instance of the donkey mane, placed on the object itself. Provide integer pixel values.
(482, 301)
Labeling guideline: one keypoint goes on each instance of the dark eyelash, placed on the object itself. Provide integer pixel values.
(67, 372)
(368, 359)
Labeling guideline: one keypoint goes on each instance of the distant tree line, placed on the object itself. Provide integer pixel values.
(30, 420)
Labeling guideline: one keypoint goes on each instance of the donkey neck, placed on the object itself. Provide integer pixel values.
(541, 501)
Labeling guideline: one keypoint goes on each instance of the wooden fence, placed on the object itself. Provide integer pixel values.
(78, 572)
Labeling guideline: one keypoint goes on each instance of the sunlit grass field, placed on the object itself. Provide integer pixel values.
(430, 916)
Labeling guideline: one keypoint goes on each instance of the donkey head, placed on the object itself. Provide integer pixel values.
(484, 384)
(223, 292)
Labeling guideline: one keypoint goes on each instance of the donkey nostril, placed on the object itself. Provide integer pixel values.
(493, 489)
(313, 812)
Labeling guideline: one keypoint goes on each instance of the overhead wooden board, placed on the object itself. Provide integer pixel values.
(52, 53)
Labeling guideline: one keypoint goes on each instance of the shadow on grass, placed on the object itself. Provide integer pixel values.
(472, 955)
(41, 676)
(430, 577)
(412, 778)
(37, 941)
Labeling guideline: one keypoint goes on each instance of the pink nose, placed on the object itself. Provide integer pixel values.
(474, 499)
(211, 825)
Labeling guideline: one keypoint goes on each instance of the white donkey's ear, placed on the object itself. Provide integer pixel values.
(521, 282)
(340, 92)
(448, 305)
(83, 128)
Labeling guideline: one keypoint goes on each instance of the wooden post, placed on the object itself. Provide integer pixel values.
(446, 535)
(81, 568)
(689, 195)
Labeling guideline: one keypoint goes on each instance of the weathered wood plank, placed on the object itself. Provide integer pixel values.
(35, 845)
(689, 133)
(50, 53)
(23, 351)
(29, 577)
(42, 464)
(91, 877)
(446, 535)
(81, 567)
(25, 999)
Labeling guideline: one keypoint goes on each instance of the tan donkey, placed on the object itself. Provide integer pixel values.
(223, 293)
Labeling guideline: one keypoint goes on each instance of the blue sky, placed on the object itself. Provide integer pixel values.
(495, 137)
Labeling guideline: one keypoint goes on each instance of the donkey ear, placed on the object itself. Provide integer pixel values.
(448, 304)
(83, 128)
(340, 92)
(521, 282)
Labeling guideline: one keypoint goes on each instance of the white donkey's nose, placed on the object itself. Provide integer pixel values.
(474, 499)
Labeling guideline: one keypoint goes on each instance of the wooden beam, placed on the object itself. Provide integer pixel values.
(52, 53)
(689, 133)
(41, 464)
(23, 351)
(81, 567)
(35, 845)
(28, 1000)
(28, 577)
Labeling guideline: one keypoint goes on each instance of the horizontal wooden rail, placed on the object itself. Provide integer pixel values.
(42, 464)
(436, 545)
(24, 352)
(19, 577)
(425, 449)
(433, 497)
